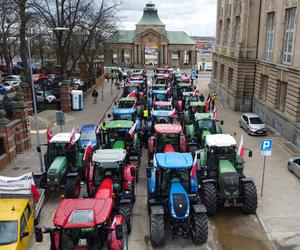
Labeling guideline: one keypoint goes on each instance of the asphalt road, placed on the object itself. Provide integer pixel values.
(229, 229)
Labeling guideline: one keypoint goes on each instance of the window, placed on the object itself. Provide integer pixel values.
(263, 87)
(222, 74)
(281, 95)
(269, 36)
(237, 31)
(227, 39)
(290, 19)
(230, 77)
(2, 149)
(219, 35)
(215, 70)
(22, 224)
(28, 211)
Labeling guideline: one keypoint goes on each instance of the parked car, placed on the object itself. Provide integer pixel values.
(108, 71)
(48, 97)
(13, 80)
(78, 83)
(8, 86)
(294, 165)
(253, 124)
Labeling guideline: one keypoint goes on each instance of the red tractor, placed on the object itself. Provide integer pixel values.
(83, 224)
(167, 138)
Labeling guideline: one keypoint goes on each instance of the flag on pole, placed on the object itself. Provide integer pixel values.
(168, 90)
(172, 114)
(34, 191)
(135, 105)
(132, 94)
(88, 151)
(194, 168)
(207, 104)
(215, 114)
(49, 134)
(72, 139)
(196, 92)
(77, 129)
(132, 130)
(241, 150)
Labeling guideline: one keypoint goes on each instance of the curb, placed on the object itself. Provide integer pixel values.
(265, 230)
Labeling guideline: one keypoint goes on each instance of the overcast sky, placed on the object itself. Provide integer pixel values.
(195, 17)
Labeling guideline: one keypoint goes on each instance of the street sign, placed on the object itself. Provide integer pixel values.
(60, 119)
(266, 147)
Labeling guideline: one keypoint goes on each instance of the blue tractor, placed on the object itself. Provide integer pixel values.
(89, 133)
(173, 197)
(158, 95)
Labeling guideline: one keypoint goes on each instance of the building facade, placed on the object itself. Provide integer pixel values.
(256, 62)
(150, 44)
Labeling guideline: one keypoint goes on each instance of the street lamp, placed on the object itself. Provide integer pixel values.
(38, 141)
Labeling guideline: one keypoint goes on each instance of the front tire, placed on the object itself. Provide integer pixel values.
(72, 187)
(199, 228)
(157, 230)
(250, 198)
(125, 211)
(209, 196)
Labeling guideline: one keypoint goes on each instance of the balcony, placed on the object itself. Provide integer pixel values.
(228, 10)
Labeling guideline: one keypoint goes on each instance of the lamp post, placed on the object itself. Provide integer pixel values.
(38, 140)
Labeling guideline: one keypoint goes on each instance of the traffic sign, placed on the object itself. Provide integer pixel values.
(266, 147)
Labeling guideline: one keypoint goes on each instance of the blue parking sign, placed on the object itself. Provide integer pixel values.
(266, 147)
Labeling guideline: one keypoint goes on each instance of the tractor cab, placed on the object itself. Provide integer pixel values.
(158, 95)
(187, 98)
(161, 80)
(140, 82)
(127, 109)
(173, 196)
(191, 109)
(161, 72)
(89, 133)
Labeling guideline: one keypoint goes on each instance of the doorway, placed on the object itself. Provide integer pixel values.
(151, 54)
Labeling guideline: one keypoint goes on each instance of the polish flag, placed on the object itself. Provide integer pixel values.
(168, 90)
(49, 134)
(241, 150)
(135, 105)
(132, 94)
(72, 139)
(172, 114)
(77, 130)
(215, 114)
(132, 130)
(207, 104)
(194, 168)
(34, 191)
(88, 151)
(196, 92)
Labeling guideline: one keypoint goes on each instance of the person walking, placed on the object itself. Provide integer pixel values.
(104, 132)
(95, 96)
(213, 99)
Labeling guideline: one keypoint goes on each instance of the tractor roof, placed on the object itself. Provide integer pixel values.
(168, 128)
(127, 99)
(159, 85)
(163, 103)
(220, 140)
(119, 124)
(82, 213)
(63, 138)
(123, 111)
(185, 79)
(197, 104)
(174, 160)
(136, 81)
(109, 155)
(199, 116)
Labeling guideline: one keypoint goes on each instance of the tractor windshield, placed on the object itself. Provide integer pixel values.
(58, 149)
(108, 170)
(197, 109)
(171, 175)
(163, 107)
(162, 119)
(8, 232)
(218, 153)
(165, 139)
(88, 136)
(130, 89)
(161, 81)
(207, 124)
(160, 97)
(126, 104)
(128, 117)
(118, 137)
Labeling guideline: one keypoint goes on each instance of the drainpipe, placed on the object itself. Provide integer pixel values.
(256, 56)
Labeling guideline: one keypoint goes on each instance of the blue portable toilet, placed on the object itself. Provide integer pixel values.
(76, 99)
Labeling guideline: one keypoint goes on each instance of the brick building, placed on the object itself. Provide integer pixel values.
(256, 62)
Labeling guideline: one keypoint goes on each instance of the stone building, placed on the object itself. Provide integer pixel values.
(256, 62)
(150, 44)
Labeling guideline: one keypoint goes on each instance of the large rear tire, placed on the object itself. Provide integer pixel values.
(250, 198)
(72, 187)
(125, 211)
(199, 228)
(157, 230)
(209, 197)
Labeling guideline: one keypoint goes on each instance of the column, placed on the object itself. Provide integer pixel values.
(161, 59)
(135, 55)
(166, 54)
(139, 54)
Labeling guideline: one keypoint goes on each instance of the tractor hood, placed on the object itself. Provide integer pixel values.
(174, 160)
(57, 170)
(121, 111)
(179, 203)
(118, 145)
(109, 155)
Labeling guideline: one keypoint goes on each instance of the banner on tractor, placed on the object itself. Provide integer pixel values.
(16, 185)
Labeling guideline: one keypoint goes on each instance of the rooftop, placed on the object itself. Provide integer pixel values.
(150, 16)
(220, 140)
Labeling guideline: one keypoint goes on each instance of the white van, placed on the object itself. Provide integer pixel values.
(108, 71)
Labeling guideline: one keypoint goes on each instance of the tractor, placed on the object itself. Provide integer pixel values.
(167, 138)
(155, 95)
(222, 177)
(191, 109)
(88, 223)
(127, 109)
(115, 165)
(187, 97)
(161, 72)
(136, 91)
(173, 198)
(178, 92)
(89, 133)
(63, 164)
(204, 124)
(117, 137)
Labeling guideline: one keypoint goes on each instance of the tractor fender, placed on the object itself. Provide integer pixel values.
(179, 105)
(157, 210)
(182, 144)
(151, 145)
(210, 181)
(199, 208)
(128, 179)
(115, 244)
(152, 181)
(105, 190)
(246, 179)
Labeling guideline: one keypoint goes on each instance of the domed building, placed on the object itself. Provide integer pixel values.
(150, 44)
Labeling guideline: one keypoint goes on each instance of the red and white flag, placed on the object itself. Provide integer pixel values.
(241, 150)
(196, 92)
(88, 151)
(34, 191)
(215, 114)
(132, 94)
(49, 134)
(207, 104)
(172, 114)
(77, 130)
(194, 168)
(135, 105)
(132, 130)
(72, 138)
(168, 90)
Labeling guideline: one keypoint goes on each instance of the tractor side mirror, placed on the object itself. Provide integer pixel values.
(109, 115)
(119, 232)
(222, 122)
(24, 234)
(132, 172)
(118, 88)
(250, 154)
(148, 170)
(38, 234)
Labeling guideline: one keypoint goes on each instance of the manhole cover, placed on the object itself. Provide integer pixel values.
(25, 168)
(16, 168)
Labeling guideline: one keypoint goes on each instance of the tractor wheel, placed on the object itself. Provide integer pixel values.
(193, 149)
(157, 230)
(250, 198)
(125, 211)
(209, 196)
(72, 187)
(199, 228)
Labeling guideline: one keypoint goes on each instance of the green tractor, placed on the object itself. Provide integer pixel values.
(118, 136)
(191, 109)
(63, 164)
(221, 176)
(204, 124)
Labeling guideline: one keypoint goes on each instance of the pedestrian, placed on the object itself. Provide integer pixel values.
(104, 132)
(145, 114)
(213, 99)
(120, 77)
(95, 96)
(201, 97)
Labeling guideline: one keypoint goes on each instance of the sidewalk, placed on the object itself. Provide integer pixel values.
(29, 160)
